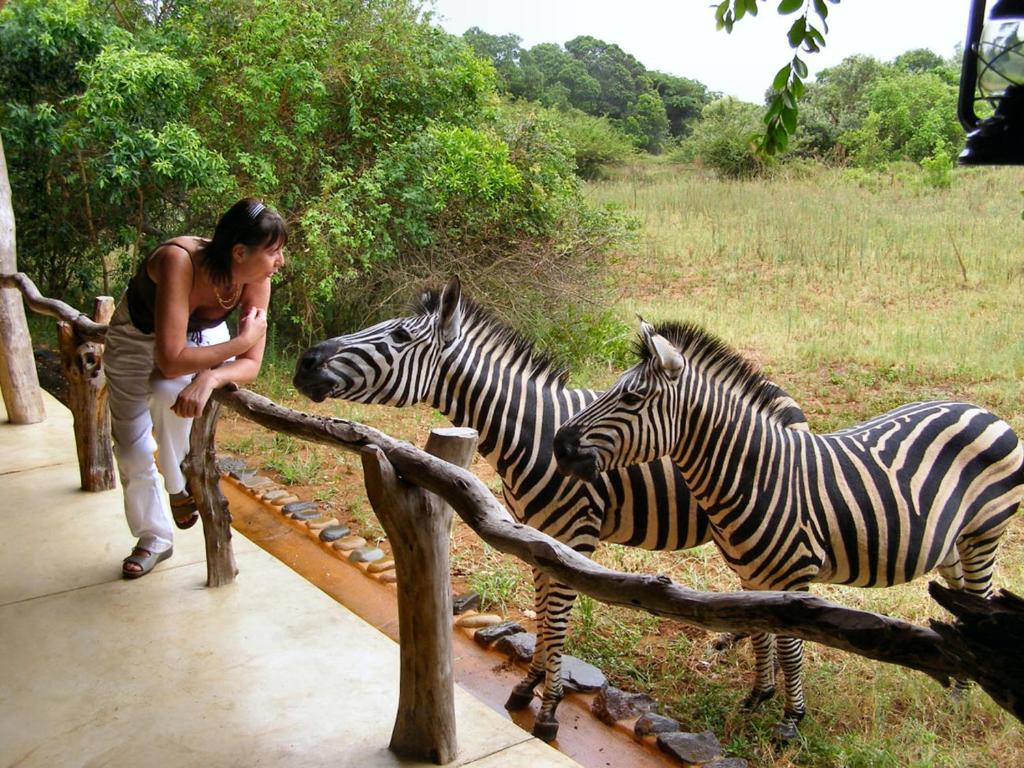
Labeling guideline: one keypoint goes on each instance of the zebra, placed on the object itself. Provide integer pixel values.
(456, 355)
(929, 485)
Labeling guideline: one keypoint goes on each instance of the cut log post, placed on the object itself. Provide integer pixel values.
(418, 526)
(82, 361)
(19, 382)
(203, 478)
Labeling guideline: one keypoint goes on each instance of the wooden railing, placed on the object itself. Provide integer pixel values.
(413, 493)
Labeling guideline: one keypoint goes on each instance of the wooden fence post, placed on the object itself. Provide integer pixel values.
(82, 361)
(418, 526)
(203, 478)
(19, 381)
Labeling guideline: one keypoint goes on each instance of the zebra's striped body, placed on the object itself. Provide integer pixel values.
(480, 374)
(925, 486)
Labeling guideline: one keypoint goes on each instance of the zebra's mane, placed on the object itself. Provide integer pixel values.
(709, 352)
(478, 316)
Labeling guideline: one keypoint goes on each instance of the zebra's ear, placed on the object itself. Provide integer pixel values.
(668, 356)
(450, 312)
(661, 349)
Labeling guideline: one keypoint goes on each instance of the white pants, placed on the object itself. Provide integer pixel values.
(141, 421)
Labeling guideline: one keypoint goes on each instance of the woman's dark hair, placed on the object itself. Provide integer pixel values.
(248, 222)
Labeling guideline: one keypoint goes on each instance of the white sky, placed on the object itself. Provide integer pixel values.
(679, 37)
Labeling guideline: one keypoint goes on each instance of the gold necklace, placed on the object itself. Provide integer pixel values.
(231, 301)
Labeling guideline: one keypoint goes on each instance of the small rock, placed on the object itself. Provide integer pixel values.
(580, 676)
(650, 723)
(727, 762)
(256, 482)
(463, 603)
(308, 514)
(333, 533)
(487, 635)
(366, 554)
(388, 577)
(518, 646)
(280, 501)
(531, 615)
(276, 493)
(299, 506)
(611, 705)
(474, 620)
(348, 543)
(237, 468)
(691, 747)
(380, 566)
(321, 523)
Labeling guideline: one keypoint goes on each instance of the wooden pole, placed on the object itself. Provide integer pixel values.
(19, 382)
(82, 361)
(203, 478)
(418, 524)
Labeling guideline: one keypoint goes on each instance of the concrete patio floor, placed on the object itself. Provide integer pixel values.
(99, 671)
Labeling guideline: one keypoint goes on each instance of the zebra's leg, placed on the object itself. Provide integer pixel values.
(974, 565)
(522, 694)
(560, 600)
(764, 661)
(791, 654)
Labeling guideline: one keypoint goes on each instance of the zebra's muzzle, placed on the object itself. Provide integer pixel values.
(310, 378)
(574, 459)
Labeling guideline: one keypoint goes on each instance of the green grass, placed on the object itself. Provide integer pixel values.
(498, 580)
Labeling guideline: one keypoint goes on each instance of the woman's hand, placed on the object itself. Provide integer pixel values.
(192, 399)
(252, 326)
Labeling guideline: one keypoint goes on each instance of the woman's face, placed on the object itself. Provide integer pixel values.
(258, 262)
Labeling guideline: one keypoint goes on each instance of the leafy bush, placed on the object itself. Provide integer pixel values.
(595, 141)
(724, 139)
(938, 169)
(379, 137)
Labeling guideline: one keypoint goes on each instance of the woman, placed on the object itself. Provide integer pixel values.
(168, 348)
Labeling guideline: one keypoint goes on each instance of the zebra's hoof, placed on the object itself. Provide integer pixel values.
(546, 730)
(518, 700)
(755, 699)
(785, 732)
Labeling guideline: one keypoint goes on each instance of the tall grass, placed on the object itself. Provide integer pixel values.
(805, 272)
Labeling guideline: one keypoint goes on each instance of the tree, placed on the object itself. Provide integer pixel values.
(683, 99)
(647, 123)
(374, 132)
(621, 77)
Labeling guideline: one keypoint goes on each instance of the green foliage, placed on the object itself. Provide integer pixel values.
(647, 123)
(378, 135)
(597, 78)
(596, 142)
(938, 168)
(909, 114)
(726, 139)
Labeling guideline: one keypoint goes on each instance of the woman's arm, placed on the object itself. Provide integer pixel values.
(246, 366)
(243, 369)
(173, 356)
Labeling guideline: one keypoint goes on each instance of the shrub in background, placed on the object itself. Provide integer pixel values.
(724, 139)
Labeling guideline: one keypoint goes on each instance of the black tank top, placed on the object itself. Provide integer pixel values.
(142, 300)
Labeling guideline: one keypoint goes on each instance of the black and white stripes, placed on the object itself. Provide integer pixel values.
(479, 373)
(926, 486)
